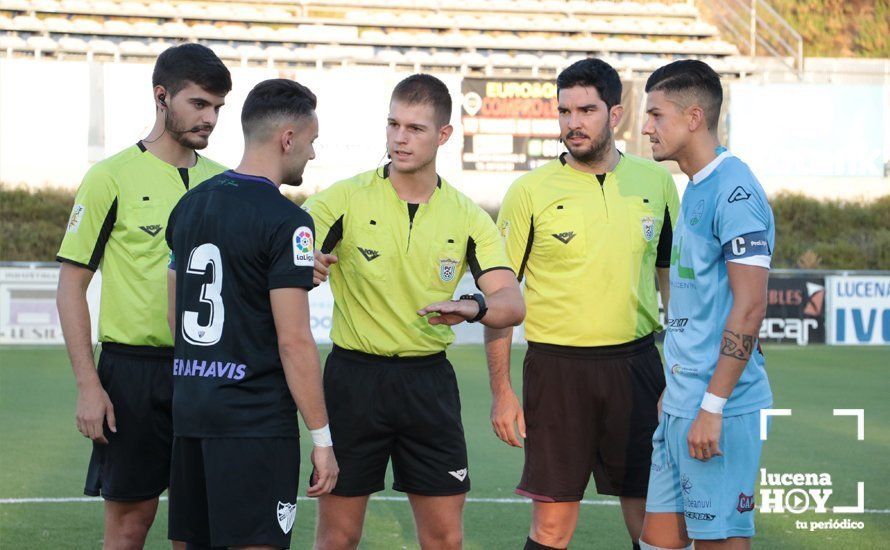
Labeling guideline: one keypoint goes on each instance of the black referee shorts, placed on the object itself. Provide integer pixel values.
(405, 408)
(135, 464)
(589, 410)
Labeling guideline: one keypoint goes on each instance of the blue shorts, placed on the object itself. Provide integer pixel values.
(715, 497)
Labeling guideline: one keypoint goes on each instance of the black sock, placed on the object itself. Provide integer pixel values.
(534, 545)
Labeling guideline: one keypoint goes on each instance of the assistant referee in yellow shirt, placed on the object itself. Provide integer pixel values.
(587, 231)
(404, 237)
(117, 226)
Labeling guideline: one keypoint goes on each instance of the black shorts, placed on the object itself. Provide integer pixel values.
(234, 491)
(589, 410)
(135, 464)
(406, 408)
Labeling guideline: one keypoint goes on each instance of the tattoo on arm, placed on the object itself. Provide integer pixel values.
(738, 346)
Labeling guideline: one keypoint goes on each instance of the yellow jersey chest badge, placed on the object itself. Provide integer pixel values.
(447, 269)
(648, 228)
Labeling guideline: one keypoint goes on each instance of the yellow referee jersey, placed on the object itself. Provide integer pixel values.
(395, 258)
(588, 250)
(117, 225)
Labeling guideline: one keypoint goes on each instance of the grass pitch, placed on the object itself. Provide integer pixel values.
(43, 457)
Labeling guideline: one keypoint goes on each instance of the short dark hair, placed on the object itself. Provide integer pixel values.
(592, 72)
(274, 99)
(425, 89)
(179, 65)
(693, 78)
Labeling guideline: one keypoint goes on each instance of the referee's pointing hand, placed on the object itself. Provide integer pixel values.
(451, 312)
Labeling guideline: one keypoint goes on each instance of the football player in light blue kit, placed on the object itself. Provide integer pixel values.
(706, 449)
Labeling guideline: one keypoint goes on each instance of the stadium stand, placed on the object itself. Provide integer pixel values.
(490, 37)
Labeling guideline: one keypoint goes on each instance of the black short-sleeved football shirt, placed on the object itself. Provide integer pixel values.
(233, 239)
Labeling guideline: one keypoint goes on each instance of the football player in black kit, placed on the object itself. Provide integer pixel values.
(245, 361)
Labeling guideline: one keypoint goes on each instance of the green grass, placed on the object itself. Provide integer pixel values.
(42, 455)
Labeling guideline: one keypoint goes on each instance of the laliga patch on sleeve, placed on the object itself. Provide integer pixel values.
(747, 246)
(76, 217)
(302, 242)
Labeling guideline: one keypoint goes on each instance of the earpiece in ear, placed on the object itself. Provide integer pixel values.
(161, 99)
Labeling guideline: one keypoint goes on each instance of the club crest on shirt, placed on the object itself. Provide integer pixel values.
(286, 514)
(447, 269)
(648, 228)
(697, 213)
(76, 218)
(303, 247)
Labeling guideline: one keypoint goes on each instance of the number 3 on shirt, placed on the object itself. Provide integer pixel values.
(211, 294)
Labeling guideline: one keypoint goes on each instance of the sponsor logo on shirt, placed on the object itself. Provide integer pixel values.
(447, 269)
(738, 194)
(76, 217)
(697, 213)
(678, 324)
(648, 228)
(565, 236)
(303, 247)
(677, 369)
(370, 255)
(286, 513)
(151, 229)
(213, 369)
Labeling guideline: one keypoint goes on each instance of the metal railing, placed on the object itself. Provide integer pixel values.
(757, 29)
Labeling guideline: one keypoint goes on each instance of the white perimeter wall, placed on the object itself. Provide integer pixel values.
(57, 118)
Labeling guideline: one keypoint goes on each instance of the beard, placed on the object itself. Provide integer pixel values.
(598, 149)
(187, 137)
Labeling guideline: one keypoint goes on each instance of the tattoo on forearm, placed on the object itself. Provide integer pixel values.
(738, 346)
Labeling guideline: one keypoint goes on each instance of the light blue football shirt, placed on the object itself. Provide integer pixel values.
(724, 217)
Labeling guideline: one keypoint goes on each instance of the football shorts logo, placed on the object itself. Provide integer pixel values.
(286, 514)
(370, 255)
(447, 269)
(738, 194)
(303, 242)
(151, 229)
(648, 227)
(685, 484)
(459, 475)
(76, 217)
(565, 236)
(746, 503)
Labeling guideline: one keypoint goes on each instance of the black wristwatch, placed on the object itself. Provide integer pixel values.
(479, 299)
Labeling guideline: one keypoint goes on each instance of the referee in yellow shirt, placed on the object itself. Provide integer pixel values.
(403, 237)
(588, 232)
(117, 226)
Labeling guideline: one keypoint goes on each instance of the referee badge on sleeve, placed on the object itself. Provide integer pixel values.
(76, 217)
(648, 228)
(302, 242)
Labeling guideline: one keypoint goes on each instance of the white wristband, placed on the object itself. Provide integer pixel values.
(322, 436)
(712, 403)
